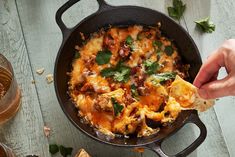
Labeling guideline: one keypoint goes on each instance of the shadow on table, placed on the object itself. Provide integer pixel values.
(179, 141)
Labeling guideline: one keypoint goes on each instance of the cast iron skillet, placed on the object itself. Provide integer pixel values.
(124, 16)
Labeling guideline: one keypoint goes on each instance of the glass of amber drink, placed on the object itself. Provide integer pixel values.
(9, 91)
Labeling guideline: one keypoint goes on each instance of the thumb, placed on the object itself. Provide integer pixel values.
(218, 88)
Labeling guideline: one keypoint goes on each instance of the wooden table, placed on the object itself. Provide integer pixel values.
(30, 39)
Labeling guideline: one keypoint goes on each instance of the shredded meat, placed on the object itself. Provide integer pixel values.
(104, 104)
(124, 50)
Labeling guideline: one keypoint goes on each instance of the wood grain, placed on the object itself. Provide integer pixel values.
(43, 38)
(222, 14)
(24, 133)
(197, 10)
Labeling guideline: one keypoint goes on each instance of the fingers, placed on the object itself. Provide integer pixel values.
(218, 88)
(209, 69)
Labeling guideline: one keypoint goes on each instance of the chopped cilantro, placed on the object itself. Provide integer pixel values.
(103, 57)
(151, 67)
(205, 25)
(177, 10)
(129, 40)
(169, 50)
(140, 36)
(134, 92)
(108, 72)
(162, 77)
(53, 148)
(120, 73)
(77, 55)
(116, 107)
(65, 151)
(157, 43)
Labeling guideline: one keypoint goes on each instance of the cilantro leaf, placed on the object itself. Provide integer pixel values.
(134, 92)
(177, 10)
(77, 55)
(103, 57)
(151, 67)
(116, 107)
(140, 36)
(122, 74)
(169, 50)
(205, 25)
(53, 148)
(119, 73)
(157, 44)
(65, 151)
(107, 72)
(129, 40)
(162, 77)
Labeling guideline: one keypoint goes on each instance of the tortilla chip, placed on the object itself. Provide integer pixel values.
(187, 96)
(82, 153)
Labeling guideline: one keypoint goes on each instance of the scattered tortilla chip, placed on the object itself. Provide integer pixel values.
(82, 153)
(40, 71)
(46, 131)
(187, 96)
(138, 150)
(49, 78)
(82, 36)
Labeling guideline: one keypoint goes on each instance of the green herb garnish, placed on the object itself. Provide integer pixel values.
(77, 55)
(108, 72)
(162, 77)
(103, 57)
(169, 50)
(129, 40)
(157, 44)
(120, 73)
(116, 107)
(65, 151)
(205, 25)
(140, 36)
(134, 92)
(53, 148)
(151, 67)
(177, 10)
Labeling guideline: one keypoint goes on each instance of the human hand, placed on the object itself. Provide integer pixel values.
(206, 79)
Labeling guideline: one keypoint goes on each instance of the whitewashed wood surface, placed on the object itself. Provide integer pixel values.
(30, 39)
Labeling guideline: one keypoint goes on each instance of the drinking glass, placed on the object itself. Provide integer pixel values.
(9, 91)
(5, 151)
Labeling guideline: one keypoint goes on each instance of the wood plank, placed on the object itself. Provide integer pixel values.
(215, 143)
(222, 14)
(43, 40)
(24, 133)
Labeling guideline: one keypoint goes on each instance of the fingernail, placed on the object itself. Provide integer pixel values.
(203, 93)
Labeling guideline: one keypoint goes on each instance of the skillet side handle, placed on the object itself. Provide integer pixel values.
(156, 147)
(103, 5)
(65, 30)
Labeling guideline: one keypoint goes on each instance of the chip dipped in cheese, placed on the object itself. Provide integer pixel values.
(187, 96)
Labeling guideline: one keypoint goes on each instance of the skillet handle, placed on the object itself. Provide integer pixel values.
(65, 30)
(156, 147)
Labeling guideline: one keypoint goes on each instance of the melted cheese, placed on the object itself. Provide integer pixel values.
(93, 94)
(91, 48)
(99, 84)
(187, 96)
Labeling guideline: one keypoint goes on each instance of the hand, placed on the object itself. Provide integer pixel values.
(206, 79)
